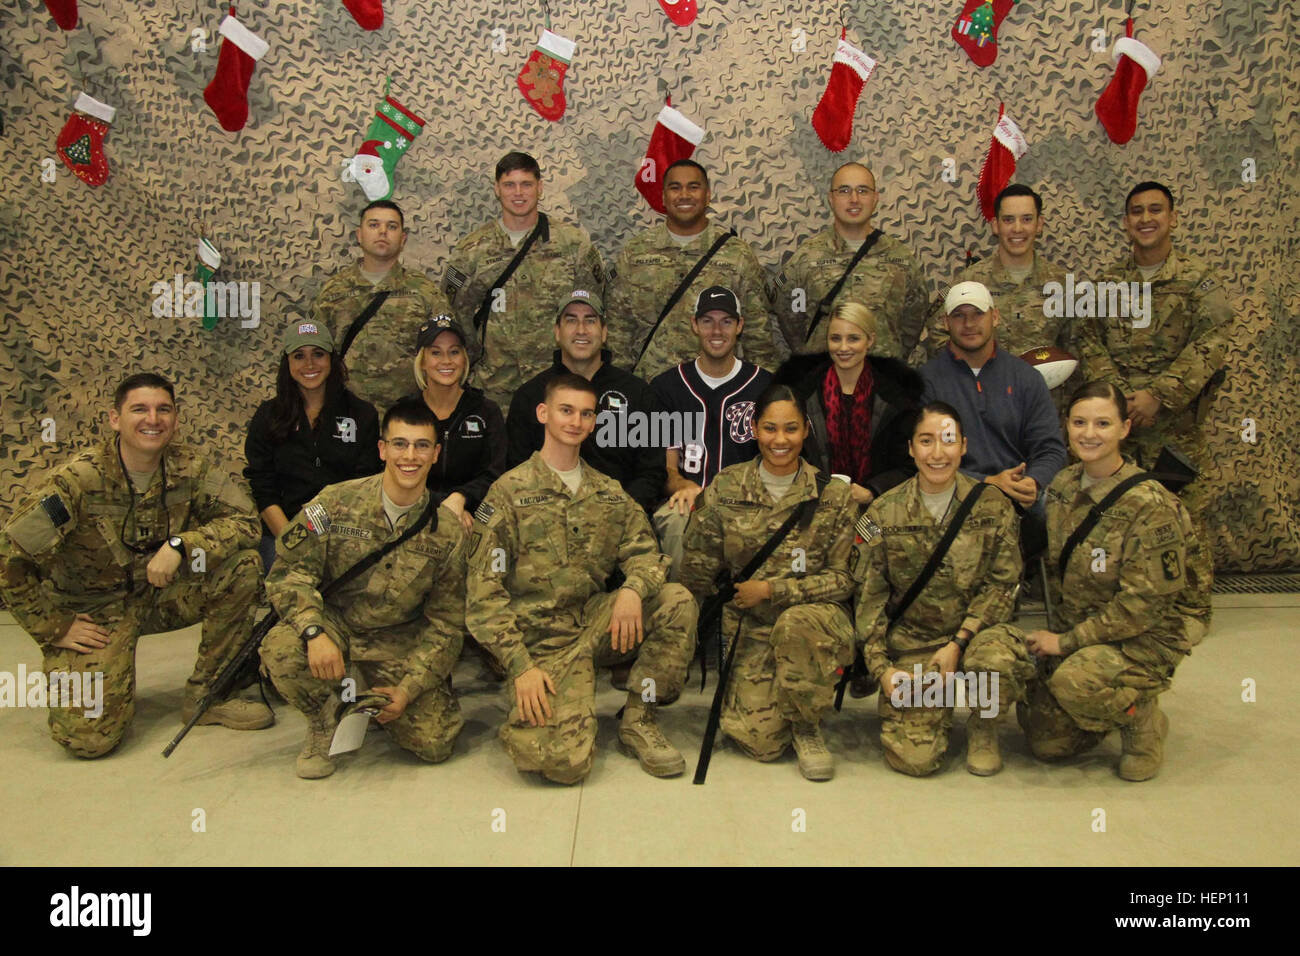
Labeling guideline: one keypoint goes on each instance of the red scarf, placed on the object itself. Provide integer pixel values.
(848, 424)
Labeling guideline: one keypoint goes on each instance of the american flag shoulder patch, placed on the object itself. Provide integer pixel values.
(867, 529)
(316, 518)
(484, 512)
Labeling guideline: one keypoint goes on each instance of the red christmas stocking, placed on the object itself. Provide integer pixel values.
(64, 12)
(542, 78)
(81, 143)
(681, 12)
(1118, 104)
(674, 137)
(833, 117)
(369, 14)
(227, 94)
(1007, 146)
(976, 30)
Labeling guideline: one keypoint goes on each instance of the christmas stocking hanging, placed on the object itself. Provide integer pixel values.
(833, 117)
(81, 143)
(227, 94)
(209, 262)
(64, 12)
(976, 30)
(1007, 146)
(674, 137)
(1118, 104)
(369, 14)
(681, 12)
(542, 78)
(391, 132)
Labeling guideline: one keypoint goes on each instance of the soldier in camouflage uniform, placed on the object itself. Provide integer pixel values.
(550, 533)
(379, 358)
(400, 621)
(958, 620)
(1164, 367)
(887, 279)
(514, 341)
(653, 264)
(136, 536)
(1133, 600)
(792, 614)
(1016, 276)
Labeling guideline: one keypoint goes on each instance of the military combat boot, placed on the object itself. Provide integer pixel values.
(815, 760)
(641, 737)
(983, 758)
(315, 761)
(1144, 741)
(235, 713)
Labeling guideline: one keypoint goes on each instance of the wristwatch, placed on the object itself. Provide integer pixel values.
(310, 631)
(962, 643)
(176, 542)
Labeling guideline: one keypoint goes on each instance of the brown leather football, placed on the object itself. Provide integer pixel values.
(1054, 364)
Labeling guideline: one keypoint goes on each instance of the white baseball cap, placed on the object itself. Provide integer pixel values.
(967, 293)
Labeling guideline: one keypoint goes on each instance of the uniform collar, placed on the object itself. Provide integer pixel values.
(544, 477)
(391, 280)
(1102, 488)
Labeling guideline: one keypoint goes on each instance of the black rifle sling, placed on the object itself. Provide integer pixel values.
(827, 299)
(681, 290)
(1090, 520)
(370, 560)
(360, 321)
(542, 229)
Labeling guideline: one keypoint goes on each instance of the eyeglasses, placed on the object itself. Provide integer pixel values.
(422, 447)
(860, 191)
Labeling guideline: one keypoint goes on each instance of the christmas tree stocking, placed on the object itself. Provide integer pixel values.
(209, 262)
(976, 30)
(674, 137)
(81, 143)
(833, 117)
(542, 78)
(64, 12)
(369, 14)
(1118, 104)
(391, 132)
(681, 12)
(1007, 146)
(227, 94)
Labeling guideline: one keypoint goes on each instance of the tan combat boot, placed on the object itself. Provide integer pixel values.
(1144, 741)
(235, 713)
(641, 736)
(315, 761)
(815, 760)
(983, 757)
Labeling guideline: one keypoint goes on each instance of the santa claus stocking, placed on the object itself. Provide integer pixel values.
(542, 78)
(81, 143)
(674, 137)
(681, 12)
(1118, 104)
(369, 14)
(227, 94)
(1008, 145)
(64, 12)
(833, 117)
(391, 132)
(207, 266)
(976, 30)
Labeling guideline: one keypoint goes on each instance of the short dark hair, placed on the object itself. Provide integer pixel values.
(385, 204)
(1017, 189)
(411, 411)
(779, 393)
(141, 380)
(515, 160)
(935, 408)
(1146, 186)
(1100, 389)
(572, 381)
(691, 163)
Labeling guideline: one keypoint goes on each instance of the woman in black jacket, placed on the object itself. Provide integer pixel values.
(859, 405)
(471, 427)
(313, 433)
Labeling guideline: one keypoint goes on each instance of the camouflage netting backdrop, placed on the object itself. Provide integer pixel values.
(79, 262)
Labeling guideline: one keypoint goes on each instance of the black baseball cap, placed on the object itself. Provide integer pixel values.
(435, 327)
(716, 298)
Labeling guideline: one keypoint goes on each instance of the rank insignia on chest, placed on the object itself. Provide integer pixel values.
(316, 518)
(293, 536)
(484, 512)
(1172, 566)
(867, 529)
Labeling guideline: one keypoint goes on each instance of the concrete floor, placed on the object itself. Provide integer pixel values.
(1223, 797)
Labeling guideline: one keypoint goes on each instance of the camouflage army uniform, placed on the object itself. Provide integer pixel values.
(537, 573)
(1173, 358)
(63, 554)
(519, 340)
(888, 280)
(974, 587)
(1132, 601)
(648, 270)
(792, 645)
(401, 621)
(1024, 324)
(379, 360)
